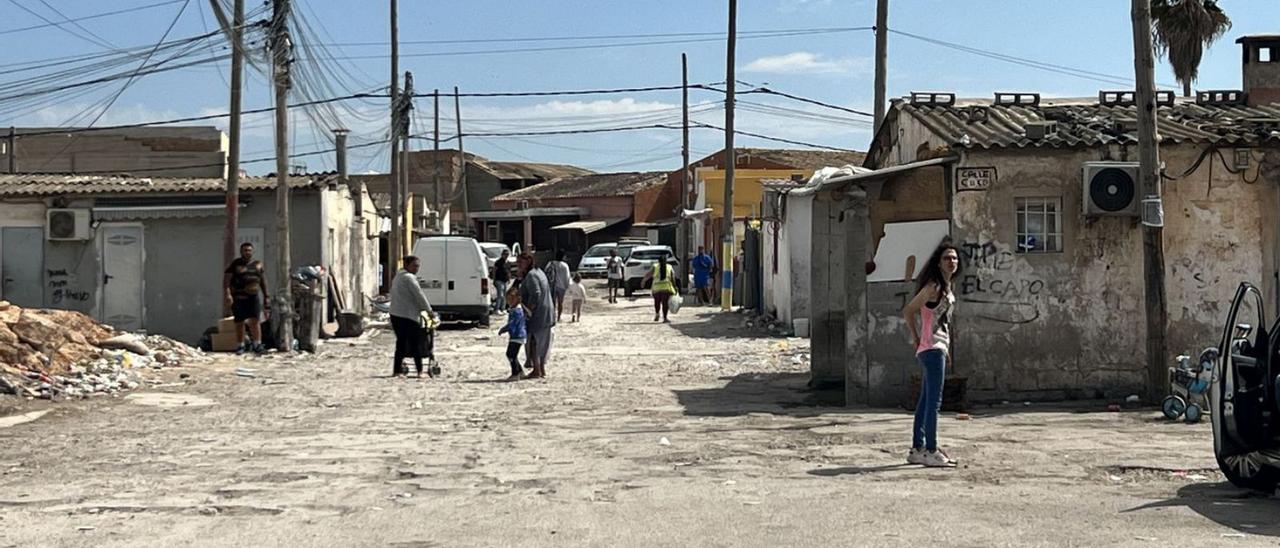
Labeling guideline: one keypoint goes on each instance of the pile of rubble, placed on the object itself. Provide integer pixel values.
(64, 354)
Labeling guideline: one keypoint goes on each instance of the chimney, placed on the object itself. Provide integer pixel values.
(1261, 64)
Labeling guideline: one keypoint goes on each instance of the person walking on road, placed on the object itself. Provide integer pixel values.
(516, 330)
(577, 295)
(408, 302)
(244, 283)
(928, 318)
(615, 267)
(664, 286)
(501, 277)
(540, 309)
(559, 276)
(702, 267)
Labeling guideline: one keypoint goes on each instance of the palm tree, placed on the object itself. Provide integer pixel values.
(1182, 29)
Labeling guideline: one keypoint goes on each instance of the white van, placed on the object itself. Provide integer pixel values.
(455, 277)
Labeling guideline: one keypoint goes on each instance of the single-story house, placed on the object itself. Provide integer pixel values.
(573, 213)
(1041, 197)
(145, 253)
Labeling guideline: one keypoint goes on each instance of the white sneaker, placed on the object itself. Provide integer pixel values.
(937, 459)
(915, 456)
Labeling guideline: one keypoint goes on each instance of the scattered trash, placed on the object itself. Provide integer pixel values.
(209, 511)
(751, 502)
(1234, 535)
(1146, 539)
(962, 416)
(730, 482)
(1114, 408)
(246, 373)
(415, 405)
(664, 441)
(1133, 398)
(85, 528)
(1197, 477)
(292, 416)
(1116, 478)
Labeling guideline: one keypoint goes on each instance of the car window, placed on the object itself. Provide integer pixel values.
(648, 254)
(493, 252)
(599, 251)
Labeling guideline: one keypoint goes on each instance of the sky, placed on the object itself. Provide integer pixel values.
(823, 52)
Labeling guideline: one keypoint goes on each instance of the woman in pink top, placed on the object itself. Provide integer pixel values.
(929, 321)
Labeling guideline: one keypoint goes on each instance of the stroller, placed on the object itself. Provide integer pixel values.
(1189, 385)
(428, 349)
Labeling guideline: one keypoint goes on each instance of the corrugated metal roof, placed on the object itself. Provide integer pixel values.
(37, 184)
(589, 226)
(1086, 123)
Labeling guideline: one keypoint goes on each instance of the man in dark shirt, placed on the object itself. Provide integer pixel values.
(245, 287)
(501, 279)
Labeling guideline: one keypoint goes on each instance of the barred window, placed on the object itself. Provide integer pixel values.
(1039, 225)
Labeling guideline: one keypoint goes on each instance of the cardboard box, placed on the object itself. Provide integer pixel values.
(225, 342)
(227, 325)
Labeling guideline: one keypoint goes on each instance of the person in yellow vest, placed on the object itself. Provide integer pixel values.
(665, 284)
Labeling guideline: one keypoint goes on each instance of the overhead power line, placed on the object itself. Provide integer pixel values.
(602, 37)
(94, 16)
(601, 46)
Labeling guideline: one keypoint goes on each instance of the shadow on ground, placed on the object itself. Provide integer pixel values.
(711, 323)
(775, 393)
(1245, 511)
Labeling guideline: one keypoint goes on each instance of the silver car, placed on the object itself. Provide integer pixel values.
(593, 262)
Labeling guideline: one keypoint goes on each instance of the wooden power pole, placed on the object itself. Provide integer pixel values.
(730, 158)
(280, 49)
(1149, 182)
(435, 161)
(683, 244)
(882, 60)
(229, 243)
(462, 164)
(393, 239)
(406, 110)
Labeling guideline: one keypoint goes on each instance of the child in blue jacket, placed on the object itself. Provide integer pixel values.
(515, 328)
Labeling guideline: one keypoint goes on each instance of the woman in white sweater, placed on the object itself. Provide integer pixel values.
(408, 302)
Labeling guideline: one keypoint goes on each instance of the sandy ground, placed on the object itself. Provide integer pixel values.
(325, 450)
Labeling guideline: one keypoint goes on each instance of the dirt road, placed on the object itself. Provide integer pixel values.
(696, 433)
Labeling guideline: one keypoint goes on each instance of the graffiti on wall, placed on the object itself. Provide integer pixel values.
(995, 290)
(58, 283)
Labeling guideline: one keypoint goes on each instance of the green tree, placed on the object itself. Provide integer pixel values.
(1182, 29)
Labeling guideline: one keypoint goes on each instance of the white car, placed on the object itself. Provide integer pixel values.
(493, 252)
(640, 262)
(593, 262)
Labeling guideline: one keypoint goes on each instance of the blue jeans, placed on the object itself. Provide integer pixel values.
(500, 296)
(925, 431)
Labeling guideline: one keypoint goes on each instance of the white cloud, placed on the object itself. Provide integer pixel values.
(803, 62)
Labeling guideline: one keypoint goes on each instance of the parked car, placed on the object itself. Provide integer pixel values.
(455, 277)
(593, 262)
(1244, 394)
(625, 246)
(640, 262)
(493, 252)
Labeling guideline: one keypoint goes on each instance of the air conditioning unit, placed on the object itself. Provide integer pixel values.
(66, 224)
(1111, 189)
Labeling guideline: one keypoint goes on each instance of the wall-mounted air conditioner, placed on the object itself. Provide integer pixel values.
(1111, 189)
(67, 224)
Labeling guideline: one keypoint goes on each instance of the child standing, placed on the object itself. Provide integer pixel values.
(515, 328)
(577, 295)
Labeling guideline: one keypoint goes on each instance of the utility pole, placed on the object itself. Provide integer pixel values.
(466, 203)
(13, 151)
(356, 189)
(1149, 182)
(280, 49)
(233, 130)
(683, 244)
(435, 161)
(730, 158)
(393, 241)
(882, 60)
(406, 110)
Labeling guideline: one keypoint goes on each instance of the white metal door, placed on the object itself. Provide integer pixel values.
(122, 264)
(433, 273)
(21, 265)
